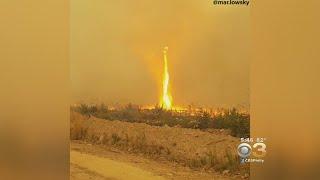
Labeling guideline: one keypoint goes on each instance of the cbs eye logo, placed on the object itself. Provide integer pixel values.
(258, 150)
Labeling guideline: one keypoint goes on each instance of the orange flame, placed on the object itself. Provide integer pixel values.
(166, 99)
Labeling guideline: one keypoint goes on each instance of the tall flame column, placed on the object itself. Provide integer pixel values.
(166, 101)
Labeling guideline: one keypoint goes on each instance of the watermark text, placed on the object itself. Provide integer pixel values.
(231, 2)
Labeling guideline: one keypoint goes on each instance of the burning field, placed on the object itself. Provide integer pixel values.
(203, 139)
(165, 80)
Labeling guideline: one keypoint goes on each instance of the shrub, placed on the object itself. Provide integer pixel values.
(78, 132)
(115, 138)
(237, 122)
(87, 110)
(204, 121)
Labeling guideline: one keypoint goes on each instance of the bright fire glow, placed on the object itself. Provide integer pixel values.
(166, 99)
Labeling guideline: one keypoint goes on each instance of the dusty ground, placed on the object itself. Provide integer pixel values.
(89, 161)
(180, 144)
(103, 149)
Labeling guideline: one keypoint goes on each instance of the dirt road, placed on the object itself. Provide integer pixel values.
(110, 169)
(100, 163)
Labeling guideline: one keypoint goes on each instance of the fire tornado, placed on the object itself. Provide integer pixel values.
(166, 99)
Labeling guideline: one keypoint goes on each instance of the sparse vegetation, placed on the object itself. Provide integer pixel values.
(232, 119)
(190, 147)
(78, 131)
(238, 123)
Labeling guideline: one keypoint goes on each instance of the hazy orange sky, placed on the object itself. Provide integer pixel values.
(116, 51)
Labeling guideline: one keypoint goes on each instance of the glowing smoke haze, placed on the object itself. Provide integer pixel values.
(116, 51)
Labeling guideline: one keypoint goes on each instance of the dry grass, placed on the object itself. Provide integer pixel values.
(190, 147)
(232, 119)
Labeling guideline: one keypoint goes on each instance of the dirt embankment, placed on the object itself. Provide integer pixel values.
(88, 161)
(188, 147)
